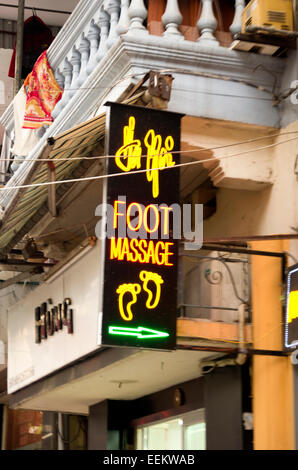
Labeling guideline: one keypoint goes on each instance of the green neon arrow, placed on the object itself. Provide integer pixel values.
(140, 332)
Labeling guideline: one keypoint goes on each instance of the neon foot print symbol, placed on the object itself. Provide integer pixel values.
(134, 290)
(146, 277)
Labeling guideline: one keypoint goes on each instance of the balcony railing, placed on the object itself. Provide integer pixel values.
(88, 57)
(81, 47)
(212, 286)
(106, 20)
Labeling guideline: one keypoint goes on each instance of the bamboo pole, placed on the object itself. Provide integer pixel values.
(19, 47)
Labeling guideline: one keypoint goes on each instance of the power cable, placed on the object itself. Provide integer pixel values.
(101, 157)
(111, 175)
(37, 9)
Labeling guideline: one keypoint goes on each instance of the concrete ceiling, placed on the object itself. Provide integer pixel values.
(50, 18)
(143, 373)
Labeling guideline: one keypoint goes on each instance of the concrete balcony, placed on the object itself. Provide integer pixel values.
(106, 46)
(104, 49)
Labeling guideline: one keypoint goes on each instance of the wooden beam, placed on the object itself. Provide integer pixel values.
(21, 268)
(52, 190)
(213, 331)
(84, 244)
(19, 278)
(19, 47)
(248, 238)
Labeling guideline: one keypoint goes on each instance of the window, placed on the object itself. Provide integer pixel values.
(184, 432)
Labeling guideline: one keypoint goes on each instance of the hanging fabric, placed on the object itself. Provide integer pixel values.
(37, 38)
(43, 94)
(24, 139)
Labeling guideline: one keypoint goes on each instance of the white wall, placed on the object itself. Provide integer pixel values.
(266, 212)
(28, 361)
(8, 297)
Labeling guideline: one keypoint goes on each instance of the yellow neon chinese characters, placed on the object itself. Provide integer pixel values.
(159, 156)
(128, 157)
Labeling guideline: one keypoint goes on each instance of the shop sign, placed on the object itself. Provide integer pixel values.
(291, 323)
(50, 319)
(140, 271)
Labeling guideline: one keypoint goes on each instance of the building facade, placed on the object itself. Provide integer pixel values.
(221, 387)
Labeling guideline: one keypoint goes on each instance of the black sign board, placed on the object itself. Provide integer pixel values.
(291, 323)
(140, 271)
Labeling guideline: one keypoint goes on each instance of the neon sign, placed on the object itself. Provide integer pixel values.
(140, 271)
(135, 289)
(141, 251)
(161, 217)
(291, 323)
(140, 332)
(128, 156)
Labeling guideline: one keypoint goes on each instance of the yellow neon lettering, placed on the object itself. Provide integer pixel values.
(115, 248)
(168, 253)
(142, 248)
(159, 256)
(166, 219)
(139, 209)
(116, 203)
(141, 251)
(125, 249)
(133, 242)
(150, 252)
(156, 213)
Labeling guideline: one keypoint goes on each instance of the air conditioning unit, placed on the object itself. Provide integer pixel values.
(277, 14)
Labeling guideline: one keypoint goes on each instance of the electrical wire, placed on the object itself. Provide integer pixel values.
(101, 157)
(111, 175)
(178, 71)
(37, 9)
(200, 91)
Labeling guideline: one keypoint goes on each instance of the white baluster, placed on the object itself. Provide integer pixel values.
(84, 49)
(172, 19)
(93, 36)
(60, 78)
(113, 9)
(67, 72)
(237, 22)
(123, 23)
(137, 13)
(207, 24)
(103, 23)
(75, 61)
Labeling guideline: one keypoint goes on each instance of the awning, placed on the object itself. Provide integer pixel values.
(68, 152)
(64, 152)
